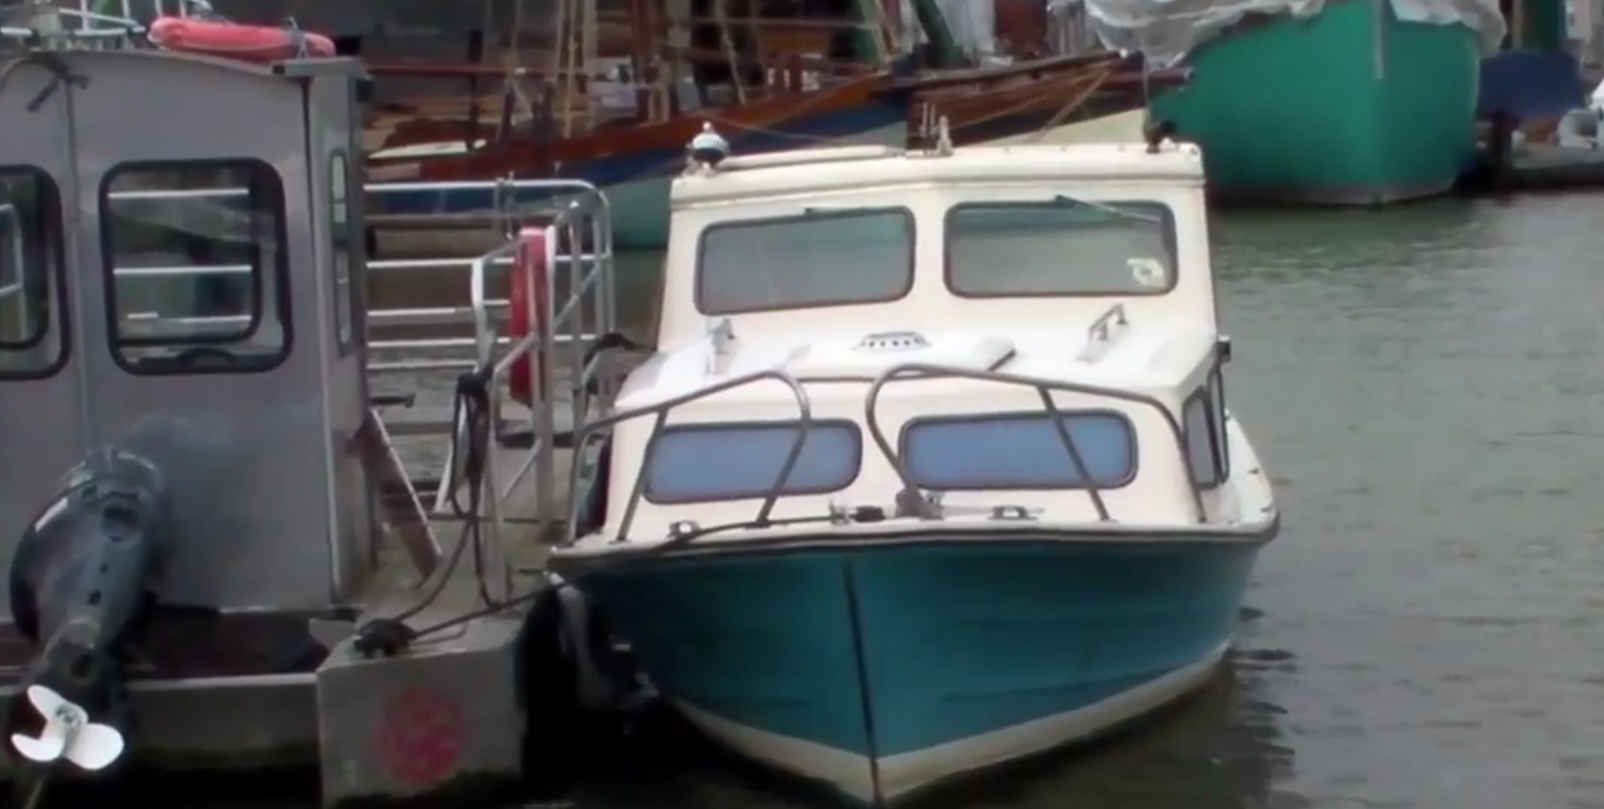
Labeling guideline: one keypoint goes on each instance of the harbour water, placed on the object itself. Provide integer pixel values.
(1425, 385)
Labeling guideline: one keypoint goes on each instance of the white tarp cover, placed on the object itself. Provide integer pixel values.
(1166, 30)
(972, 24)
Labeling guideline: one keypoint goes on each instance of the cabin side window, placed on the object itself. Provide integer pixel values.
(823, 258)
(1020, 451)
(33, 333)
(700, 463)
(196, 269)
(1204, 427)
(342, 252)
(1062, 246)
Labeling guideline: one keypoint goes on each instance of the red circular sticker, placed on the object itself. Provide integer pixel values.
(421, 736)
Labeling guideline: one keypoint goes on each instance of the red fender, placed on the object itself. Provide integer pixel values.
(251, 43)
(527, 284)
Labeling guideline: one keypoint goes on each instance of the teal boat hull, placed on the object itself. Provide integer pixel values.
(883, 667)
(1350, 106)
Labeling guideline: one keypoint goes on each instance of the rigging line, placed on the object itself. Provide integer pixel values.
(1073, 105)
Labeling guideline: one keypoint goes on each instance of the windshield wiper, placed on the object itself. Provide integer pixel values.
(1074, 202)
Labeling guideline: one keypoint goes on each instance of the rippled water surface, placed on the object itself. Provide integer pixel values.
(1425, 386)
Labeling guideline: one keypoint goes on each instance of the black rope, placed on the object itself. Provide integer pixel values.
(470, 445)
(471, 415)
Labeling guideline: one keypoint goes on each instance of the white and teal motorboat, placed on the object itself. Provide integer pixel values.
(933, 469)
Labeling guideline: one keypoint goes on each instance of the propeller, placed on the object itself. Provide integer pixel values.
(68, 734)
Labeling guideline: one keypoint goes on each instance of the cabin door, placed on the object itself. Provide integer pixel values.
(205, 349)
(334, 153)
(41, 355)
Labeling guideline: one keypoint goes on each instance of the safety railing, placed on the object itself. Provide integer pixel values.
(598, 427)
(557, 342)
(11, 284)
(1045, 388)
(458, 351)
(93, 23)
(576, 221)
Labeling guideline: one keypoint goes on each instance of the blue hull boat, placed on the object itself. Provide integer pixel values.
(884, 667)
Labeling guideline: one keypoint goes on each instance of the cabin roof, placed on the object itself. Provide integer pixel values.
(290, 68)
(835, 170)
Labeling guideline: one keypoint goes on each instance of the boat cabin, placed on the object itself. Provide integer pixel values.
(184, 274)
(924, 312)
(178, 277)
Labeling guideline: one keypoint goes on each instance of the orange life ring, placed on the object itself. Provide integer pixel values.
(528, 284)
(253, 43)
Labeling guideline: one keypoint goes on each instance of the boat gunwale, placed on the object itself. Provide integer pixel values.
(902, 532)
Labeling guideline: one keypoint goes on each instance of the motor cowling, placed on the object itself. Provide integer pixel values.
(80, 581)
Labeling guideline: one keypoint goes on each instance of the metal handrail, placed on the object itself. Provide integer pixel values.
(586, 271)
(61, 22)
(484, 311)
(56, 24)
(576, 217)
(583, 435)
(1044, 388)
(1100, 328)
(483, 315)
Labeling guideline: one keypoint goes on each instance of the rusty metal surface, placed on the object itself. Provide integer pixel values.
(181, 644)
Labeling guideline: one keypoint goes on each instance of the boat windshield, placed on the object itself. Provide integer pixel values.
(821, 257)
(1060, 246)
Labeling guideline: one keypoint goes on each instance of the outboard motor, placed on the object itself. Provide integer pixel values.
(80, 581)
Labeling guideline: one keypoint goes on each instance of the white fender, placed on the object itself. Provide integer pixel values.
(596, 691)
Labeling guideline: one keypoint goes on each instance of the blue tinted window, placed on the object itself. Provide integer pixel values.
(697, 463)
(1018, 451)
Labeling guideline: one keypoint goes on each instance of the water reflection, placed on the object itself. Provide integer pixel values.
(1219, 750)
